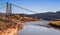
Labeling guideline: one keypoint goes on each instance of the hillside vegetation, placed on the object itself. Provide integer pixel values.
(55, 23)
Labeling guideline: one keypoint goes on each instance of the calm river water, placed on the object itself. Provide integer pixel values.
(33, 28)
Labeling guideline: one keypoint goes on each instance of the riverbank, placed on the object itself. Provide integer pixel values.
(34, 28)
(9, 25)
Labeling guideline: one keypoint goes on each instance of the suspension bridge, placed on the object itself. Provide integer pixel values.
(9, 8)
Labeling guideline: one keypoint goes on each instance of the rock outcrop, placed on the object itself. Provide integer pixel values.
(9, 25)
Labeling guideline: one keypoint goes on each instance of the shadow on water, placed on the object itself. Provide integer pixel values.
(34, 28)
(38, 30)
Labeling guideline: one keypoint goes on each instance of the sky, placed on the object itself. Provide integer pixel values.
(39, 6)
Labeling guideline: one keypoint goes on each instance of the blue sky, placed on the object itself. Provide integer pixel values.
(39, 6)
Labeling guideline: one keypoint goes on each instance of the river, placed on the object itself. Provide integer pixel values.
(37, 28)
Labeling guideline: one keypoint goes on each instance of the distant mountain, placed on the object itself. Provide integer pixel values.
(44, 16)
(48, 15)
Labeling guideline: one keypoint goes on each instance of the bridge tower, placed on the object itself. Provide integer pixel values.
(8, 9)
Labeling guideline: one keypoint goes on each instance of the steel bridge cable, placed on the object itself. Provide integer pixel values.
(24, 8)
(2, 7)
(2, 4)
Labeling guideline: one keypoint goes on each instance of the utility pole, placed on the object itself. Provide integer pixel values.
(8, 9)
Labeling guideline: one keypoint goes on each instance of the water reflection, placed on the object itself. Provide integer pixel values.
(38, 30)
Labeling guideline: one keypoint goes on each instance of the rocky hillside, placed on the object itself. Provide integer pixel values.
(10, 25)
(47, 15)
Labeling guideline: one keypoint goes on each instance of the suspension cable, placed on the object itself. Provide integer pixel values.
(2, 4)
(2, 7)
(24, 9)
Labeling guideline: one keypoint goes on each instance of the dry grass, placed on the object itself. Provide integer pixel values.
(55, 23)
(9, 25)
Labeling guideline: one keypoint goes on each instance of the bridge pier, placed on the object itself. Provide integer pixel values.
(8, 9)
